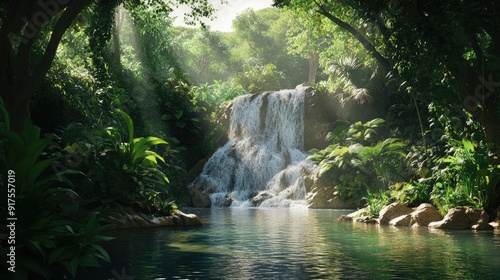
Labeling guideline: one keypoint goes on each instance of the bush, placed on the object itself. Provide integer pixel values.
(53, 233)
(467, 179)
(359, 161)
(118, 171)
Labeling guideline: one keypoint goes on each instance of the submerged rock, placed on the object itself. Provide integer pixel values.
(130, 219)
(463, 217)
(366, 220)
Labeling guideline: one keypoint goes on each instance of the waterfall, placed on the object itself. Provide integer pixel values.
(263, 163)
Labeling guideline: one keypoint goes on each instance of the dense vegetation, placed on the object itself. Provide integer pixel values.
(433, 68)
(106, 106)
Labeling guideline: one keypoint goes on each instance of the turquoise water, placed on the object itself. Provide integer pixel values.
(275, 243)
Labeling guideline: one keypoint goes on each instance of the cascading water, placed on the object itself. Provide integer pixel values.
(263, 163)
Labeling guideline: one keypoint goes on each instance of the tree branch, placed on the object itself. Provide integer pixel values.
(384, 62)
(63, 23)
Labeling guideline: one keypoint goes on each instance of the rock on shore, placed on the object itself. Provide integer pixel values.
(131, 219)
(426, 215)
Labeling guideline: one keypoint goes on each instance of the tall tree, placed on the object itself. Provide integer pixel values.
(260, 39)
(426, 44)
(30, 27)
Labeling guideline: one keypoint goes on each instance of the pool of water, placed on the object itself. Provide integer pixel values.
(275, 243)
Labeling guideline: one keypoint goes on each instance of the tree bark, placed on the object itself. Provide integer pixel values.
(19, 79)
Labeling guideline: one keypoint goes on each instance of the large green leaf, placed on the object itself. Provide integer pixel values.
(31, 132)
(14, 140)
(37, 170)
(468, 145)
(129, 123)
(141, 145)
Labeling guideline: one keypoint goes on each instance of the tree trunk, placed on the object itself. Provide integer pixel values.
(313, 67)
(116, 36)
(18, 34)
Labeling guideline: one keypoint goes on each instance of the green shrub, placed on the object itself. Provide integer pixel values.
(466, 178)
(218, 93)
(53, 233)
(376, 201)
(359, 161)
(119, 171)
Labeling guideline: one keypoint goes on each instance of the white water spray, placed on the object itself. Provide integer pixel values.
(263, 163)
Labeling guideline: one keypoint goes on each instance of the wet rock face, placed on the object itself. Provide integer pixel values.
(321, 195)
(199, 198)
(318, 118)
(319, 115)
(463, 217)
(260, 197)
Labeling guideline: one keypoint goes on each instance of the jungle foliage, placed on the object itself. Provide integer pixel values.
(120, 104)
(433, 68)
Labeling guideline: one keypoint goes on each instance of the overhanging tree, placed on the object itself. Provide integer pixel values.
(426, 44)
(30, 33)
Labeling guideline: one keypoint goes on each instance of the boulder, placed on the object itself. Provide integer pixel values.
(403, 220)
(392, 211)
(350, 217)
(228, 200)
(424, 214)
(199, 198)
(323, 198)
(366, 220)
(321, 195)
(260, 197)
(495, 223)
(463, 217)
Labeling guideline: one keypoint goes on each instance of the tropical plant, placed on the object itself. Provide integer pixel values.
(120, 171)
(218, 93)
(359, 161)
(53, 233)
(467, 178)
(376, 201)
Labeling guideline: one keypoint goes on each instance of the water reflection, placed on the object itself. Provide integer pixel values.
(246, 243)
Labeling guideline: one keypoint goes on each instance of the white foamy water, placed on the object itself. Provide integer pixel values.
(264, 156)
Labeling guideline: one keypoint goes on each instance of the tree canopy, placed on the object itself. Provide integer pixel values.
(448, 48)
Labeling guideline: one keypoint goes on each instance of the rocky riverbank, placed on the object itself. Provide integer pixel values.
(426, 215)
(128, 218)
